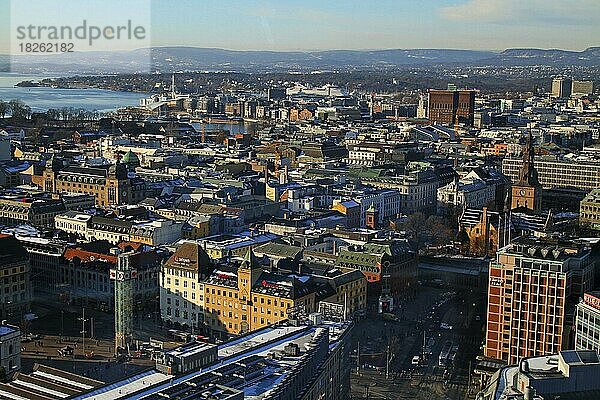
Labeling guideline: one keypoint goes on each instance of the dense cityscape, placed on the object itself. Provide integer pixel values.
(320, 225)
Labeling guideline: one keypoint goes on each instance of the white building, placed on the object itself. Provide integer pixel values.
(73, 222)
(471, 193)
(386, 202)
(10, 348)
(156, 232)
(181, 286)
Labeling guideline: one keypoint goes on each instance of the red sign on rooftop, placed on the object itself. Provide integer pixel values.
(591, 300)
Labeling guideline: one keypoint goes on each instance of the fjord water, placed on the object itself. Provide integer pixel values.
(43, 98)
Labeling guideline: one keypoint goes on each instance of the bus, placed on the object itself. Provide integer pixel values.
(444, 354)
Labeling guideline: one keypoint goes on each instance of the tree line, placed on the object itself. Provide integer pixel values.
(19, 111)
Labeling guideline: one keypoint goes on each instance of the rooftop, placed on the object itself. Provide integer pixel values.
(7, 329)
(255, 364)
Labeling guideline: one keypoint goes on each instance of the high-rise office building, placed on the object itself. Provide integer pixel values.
(587, 322)
(556, 172)
(582, 88)
(449, 107)
(422, 108)
(530, 285)
(561, 87)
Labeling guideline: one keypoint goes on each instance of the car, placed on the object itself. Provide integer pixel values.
(416, 360)
(389, 317)
(65, 351)
(444, 325)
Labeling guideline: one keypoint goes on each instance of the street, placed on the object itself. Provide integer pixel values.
(388, 348)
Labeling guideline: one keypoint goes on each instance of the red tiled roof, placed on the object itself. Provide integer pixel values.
(133, 245)
(87, 256)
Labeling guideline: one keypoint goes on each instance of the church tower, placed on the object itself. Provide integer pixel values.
(372, 217)
(527, 192)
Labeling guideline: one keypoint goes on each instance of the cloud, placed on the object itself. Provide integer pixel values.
(556, 12)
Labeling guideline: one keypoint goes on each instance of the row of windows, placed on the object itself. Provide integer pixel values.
(177, 314)
(185, 283)
(180, 273)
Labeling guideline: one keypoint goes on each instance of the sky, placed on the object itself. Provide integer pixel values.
(338, 24)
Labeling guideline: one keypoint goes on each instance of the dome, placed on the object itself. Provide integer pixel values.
(131, 159)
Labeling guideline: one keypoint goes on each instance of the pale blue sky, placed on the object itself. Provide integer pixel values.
(360, 24)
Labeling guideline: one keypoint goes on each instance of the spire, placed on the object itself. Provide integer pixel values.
(528, 174)
(250, 260)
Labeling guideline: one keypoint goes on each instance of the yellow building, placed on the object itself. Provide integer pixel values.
(245, 298)
(350, 293)
(110, 186)
(197, 227)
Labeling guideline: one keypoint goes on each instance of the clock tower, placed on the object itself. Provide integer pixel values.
(527, 192)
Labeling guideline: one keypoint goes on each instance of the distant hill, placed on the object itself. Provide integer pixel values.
(166, 59)
(588, 57)
(331, 59)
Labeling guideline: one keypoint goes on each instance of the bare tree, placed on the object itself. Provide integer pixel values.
(4, 108)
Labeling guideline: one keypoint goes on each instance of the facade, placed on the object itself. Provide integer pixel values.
(109, 186)
(369, 154)
(582, 88)
(464, 194)
(245, 298)
(110, 229)
(554, 172)
(561, 88)
(418, 190)
(182, 286)
(587, 322)
(530, 285)
(85, 276)
(46, 261)
(372, 217)
(10, 348)
(387, 203)
(155, 233)
(114, 230)
(450, 107)
(589, 210)
(389, 267)
(187, 358)
(73, 222)
(15, 290)
(350, 293)
(15, 210)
